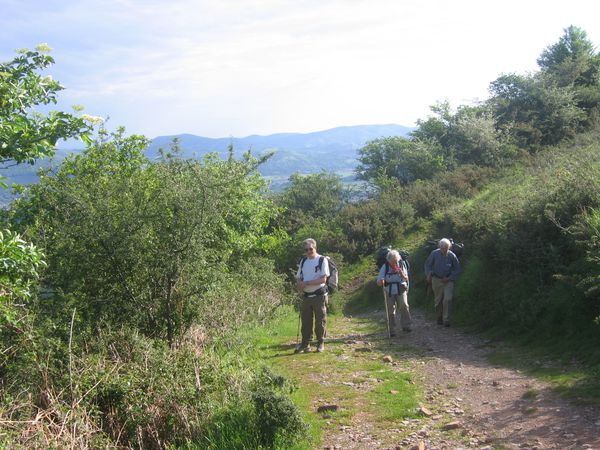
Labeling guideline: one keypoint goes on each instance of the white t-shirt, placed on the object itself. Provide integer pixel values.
(309, 271)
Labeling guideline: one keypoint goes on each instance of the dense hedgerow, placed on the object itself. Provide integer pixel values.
(532, 239)
(124, 390)
(152, 267)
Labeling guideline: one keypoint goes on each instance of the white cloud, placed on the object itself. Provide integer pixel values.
(221, 67)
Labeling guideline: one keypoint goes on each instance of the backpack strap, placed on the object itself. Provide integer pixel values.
(302, 261)
(320, 265)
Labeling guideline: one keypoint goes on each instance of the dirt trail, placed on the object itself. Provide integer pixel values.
(489, 406)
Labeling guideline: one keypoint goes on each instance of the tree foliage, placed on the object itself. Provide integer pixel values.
(572, 59)
(398, 158)
(320, 195)
(535, 110)
(554, 104)
(25, 134)
(140, 243)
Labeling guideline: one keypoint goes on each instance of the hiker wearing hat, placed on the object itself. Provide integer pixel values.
(311, 277)
(442, 268)
(393, 276)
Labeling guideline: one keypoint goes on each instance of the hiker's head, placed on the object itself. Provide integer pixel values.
(393, 256)
(309, 246)
(445, 245)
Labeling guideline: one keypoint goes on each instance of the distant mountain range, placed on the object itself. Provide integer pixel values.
(333, 150)
(330, 150)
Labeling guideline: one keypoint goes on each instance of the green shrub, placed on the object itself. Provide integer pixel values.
(124, 390)
(528, 239)
(140, 244)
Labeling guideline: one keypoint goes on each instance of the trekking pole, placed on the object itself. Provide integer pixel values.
(299, 304)
(298, 332)
(387, 317)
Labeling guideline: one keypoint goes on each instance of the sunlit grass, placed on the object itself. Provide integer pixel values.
(395, 398)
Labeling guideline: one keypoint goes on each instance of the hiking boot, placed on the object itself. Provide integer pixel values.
(406, 329)
(320, 347)
(302, 348)
(392, 334)
(446, 324)
(440, 322)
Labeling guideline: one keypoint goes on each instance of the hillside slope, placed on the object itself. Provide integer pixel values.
(330, 150)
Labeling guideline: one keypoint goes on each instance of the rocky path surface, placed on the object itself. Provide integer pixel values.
(469, 402)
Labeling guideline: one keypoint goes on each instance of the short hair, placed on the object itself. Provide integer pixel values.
(445, 243)
(310, 241)
(393, 255)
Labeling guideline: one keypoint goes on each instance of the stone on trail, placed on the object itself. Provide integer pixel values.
(324, 408)
(394, 392)
(419, 446)
(451, 426)
(387, 359)
(425, 411)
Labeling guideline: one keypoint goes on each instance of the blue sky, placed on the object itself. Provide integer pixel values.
(232, 68)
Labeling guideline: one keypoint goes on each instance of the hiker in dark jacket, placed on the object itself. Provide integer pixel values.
(393, 276)
(442, 269)
(312, 274)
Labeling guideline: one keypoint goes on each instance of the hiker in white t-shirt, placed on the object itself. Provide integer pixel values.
(312, 274)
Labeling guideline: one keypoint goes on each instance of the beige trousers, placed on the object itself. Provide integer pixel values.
(395, 303)
(442, 294)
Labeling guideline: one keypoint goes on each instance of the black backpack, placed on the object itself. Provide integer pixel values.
(381, 257)
(456, 247)
(332, 279)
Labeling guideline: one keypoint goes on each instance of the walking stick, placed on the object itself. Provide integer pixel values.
(387, 316)
(298, 332)
(299, 316)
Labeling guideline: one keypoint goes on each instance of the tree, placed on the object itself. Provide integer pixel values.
(398, 158)
(308, 197)
(144, 245)
(572, 62)
(25, 134)
(572, 51)
(478, 141)
(534, 109)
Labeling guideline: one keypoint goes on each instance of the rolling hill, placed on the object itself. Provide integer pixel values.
(332, 150)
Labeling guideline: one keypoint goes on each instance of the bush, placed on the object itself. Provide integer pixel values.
(124, 390)
(137, 243)
(447, 189)
(368, 225)
(525, 234)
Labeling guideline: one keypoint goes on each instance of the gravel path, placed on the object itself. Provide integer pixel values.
(469, 402)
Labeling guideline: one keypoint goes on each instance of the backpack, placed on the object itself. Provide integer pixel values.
(332, 280)
(381, 258)
(456, 247)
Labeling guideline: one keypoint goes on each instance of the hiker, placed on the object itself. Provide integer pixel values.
(393, 276)
(312, 275)
(442, 268)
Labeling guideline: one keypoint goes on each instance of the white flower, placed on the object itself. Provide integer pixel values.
(94, 120)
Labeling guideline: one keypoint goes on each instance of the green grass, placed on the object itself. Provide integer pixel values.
(358, 382)
(395, 398)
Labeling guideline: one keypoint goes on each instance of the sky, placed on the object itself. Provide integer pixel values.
(221, 68)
